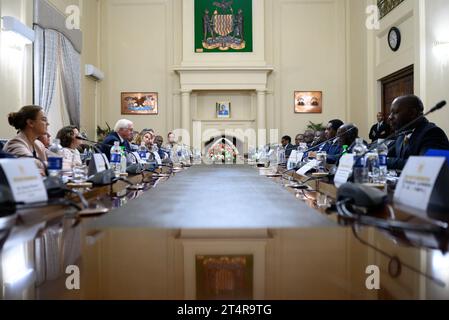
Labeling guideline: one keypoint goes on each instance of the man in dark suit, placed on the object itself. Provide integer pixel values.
(380, 130)
(123, 130)
(418, 138)
(286, 142)
(332, 148)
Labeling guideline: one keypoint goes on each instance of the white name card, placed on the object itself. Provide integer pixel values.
(344, 170)
(306, 168)
(295, 157)
(24, 180)
(417, 181)
(101, 163)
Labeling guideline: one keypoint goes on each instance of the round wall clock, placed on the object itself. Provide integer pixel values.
(394, 39)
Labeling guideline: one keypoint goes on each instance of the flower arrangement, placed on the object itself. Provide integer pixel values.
(222, 152)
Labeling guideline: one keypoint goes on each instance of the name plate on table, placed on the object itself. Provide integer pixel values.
(417, 181)
(344, 170)
(307, 167)
(24, 180)
(101, 163)
(295, 157)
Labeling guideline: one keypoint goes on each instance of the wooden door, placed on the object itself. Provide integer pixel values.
(398, 84)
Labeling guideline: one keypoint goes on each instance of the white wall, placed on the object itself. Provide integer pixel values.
(15, 67)
(304, 41)
(437, 69)
(139, 43)
(306, 44)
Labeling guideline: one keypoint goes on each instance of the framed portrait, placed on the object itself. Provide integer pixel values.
(223, 110)
(308, 101)
(139, 103)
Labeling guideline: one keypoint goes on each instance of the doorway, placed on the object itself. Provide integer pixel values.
(395, 85)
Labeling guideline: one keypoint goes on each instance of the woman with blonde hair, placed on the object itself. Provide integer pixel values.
(147, 137)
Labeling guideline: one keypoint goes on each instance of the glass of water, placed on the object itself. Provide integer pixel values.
(79, 173)
(321, 158)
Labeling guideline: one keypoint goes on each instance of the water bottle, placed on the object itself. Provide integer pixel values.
(360, 168)
(55, 159)
(382, 151)
(301, 151)
(281, 155)
(372, 163)
(143, 151)
(116, 158)
(123, 160)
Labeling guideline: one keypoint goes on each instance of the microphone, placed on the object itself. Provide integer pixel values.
(94, 145)
(437, 107)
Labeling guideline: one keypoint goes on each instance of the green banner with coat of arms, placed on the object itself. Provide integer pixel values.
(223, 26)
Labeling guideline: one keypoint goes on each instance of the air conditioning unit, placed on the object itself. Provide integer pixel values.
(94, 72)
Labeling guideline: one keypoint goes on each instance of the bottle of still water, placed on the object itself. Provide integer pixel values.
(116, 158)
(123, 160)
(55, 159)
(382, 151)
(360, 168)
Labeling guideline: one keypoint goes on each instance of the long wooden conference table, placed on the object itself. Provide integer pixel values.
(218, 232)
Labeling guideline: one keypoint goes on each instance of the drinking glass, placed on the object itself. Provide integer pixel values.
(321, 158)
(79, 173)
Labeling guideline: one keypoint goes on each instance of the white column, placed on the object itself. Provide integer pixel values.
(185, 112)
(261, 118)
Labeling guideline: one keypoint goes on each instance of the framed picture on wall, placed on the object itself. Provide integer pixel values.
(223, 110)
(308, 101)
(139, 103)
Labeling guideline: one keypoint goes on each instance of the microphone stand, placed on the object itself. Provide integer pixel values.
(94, 145)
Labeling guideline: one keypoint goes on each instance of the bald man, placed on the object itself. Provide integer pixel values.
(424, 135)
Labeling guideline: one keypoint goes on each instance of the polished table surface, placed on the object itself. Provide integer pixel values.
(154, 244)
(216, 196)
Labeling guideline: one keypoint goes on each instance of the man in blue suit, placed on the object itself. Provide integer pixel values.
(123, 130)
(332, 148)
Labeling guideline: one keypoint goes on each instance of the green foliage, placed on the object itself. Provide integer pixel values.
(102, 133)
(315, 126)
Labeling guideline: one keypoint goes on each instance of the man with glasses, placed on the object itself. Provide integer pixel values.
(123, 130)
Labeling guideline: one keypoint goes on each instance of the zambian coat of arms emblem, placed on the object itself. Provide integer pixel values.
(223, 25)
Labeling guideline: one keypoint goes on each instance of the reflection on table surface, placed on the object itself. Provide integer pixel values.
(42, 259)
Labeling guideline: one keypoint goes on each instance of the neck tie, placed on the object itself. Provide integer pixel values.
(405, 144)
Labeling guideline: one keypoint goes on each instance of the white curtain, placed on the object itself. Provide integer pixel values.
(58, 117)
(55, 59)
(71, 79)
(45, 66)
